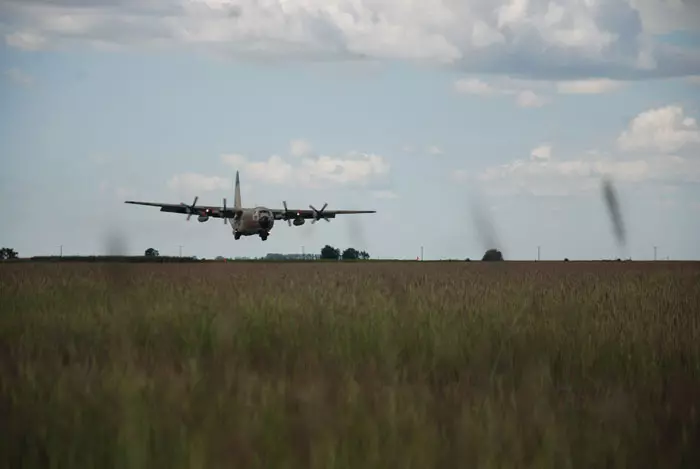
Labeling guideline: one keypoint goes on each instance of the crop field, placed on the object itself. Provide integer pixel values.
(350, 365)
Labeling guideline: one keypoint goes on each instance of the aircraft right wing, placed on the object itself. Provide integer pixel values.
(209, 210)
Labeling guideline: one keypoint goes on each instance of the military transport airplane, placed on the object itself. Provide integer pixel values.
(250, 221)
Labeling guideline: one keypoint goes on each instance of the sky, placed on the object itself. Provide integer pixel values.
(466, 124)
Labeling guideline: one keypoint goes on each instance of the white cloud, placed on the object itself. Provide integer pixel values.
(193, 182)
(565, 177)
(528, 98)
(313, 171)
(18, 77)
(525, 98)
(593, 86)
(532, 93)
(582, 38)
(652, 142)
(665, 16)
(299, 147)
(543, 152)
(25, 40)
(234, 160)
(666, 129)
(476, 87)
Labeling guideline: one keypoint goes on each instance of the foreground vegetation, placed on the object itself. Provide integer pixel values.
(366, 365)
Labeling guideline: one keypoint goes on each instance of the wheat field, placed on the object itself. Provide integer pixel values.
(350, 365)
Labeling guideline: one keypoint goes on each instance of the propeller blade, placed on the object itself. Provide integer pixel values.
(190, 208)
(224, 213)
(286, 210)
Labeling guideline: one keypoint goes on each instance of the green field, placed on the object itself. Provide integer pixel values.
(350, 365)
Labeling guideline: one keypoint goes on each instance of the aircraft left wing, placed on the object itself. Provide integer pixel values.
(313, 213)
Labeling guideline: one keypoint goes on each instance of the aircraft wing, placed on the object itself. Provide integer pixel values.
(212, 211)
(308, 214)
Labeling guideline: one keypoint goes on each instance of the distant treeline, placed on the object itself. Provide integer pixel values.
(177, 259)
(150, 259)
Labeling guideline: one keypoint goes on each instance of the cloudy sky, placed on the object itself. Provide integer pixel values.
(464, 123)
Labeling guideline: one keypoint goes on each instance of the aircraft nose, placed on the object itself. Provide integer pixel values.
(265, 223)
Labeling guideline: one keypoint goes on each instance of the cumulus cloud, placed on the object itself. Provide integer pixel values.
(664, 16)
(543, 152)
(312, 170)
(528, 98)
(582, 38)
(524, 97)
(594, 86)
(533, 93)
(653, 142)
(665, 130)
(299, 147)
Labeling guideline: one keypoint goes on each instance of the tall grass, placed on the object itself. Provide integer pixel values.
(350, 365)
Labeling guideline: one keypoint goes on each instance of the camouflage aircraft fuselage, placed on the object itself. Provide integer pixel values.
(256, 221)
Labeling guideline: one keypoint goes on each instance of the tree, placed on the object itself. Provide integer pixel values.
(364, 255)
(329, 252)
(350, 254)
(150, 252)
(492, 255)
(8, 253)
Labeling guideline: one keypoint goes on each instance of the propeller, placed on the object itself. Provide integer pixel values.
(285, 214)
(612, 203)
(223, 214)
(190, 208)
(318, 214)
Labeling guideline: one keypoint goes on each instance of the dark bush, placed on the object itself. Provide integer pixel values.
(492, 255)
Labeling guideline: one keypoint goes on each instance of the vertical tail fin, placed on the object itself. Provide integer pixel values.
(237, 196)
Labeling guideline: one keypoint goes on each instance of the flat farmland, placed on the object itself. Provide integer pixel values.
(350, 365)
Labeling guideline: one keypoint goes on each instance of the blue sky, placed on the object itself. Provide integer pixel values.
(417, 110)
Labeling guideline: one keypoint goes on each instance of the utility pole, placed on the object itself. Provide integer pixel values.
(538, 253)
(60, 250)
(655, 252)
(303, 253)
(180, 246)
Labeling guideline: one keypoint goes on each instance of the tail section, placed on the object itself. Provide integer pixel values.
(237, 196)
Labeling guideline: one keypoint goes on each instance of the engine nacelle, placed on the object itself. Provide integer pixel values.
(299, 221)
(202, 218)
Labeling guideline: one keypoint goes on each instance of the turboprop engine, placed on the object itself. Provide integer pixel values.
(202, 218)
(299, 221)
